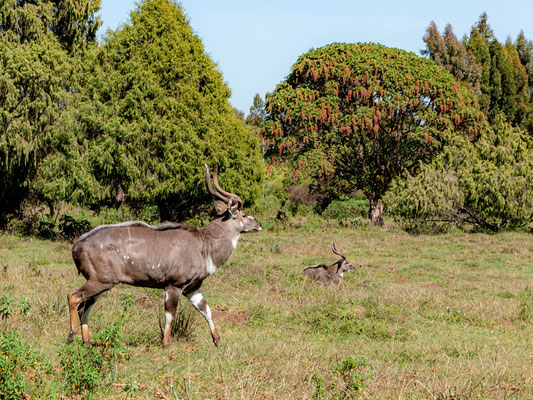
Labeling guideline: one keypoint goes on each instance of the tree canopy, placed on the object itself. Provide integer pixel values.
(134, 118)
(36, 87)
(153, 109)
(500, 74)
(354, 116)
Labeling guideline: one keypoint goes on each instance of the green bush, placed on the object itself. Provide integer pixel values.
(16, 362)
(485, 186)
(346, 379)
(348, 211)
(82, 367)
(70, 227)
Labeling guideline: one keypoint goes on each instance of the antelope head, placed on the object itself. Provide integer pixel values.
(342, 265)
(228, 206)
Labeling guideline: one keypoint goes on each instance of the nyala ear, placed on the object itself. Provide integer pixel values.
(233, 206)
(220, 207)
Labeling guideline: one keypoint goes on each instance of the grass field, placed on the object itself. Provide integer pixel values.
(425, 317)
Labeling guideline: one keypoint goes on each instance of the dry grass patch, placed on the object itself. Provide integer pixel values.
(427, 317)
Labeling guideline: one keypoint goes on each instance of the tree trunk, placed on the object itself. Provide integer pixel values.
(375, 212)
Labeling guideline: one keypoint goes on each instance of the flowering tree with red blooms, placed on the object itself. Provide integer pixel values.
(355, 116)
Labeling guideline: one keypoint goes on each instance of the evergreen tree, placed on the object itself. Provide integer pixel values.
(452, 54)
(354, 116)
(36, 88)
(256, 119)
(154, 108)
(496, 73)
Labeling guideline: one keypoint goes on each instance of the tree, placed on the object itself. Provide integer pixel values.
(257, 114)
(525, 52)
(36, 88)
(524, 47)
(452, 54)
(153, 109)
(503, 85)
(354, 116)
(73, 23)
(256, 119)
(484, 185)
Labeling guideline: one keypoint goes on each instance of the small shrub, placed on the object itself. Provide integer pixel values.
(182, 326)
(483, 186)
(82, 367)
(70, 227)
(348, 212)
(18, 364)
(346, 379)
(7, 307)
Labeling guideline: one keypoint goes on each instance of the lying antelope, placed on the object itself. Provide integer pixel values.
(329, 274)
(175, 257)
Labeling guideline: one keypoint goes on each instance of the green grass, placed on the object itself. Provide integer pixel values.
(426, 317)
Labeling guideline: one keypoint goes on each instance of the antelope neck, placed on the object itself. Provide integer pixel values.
(220, 240)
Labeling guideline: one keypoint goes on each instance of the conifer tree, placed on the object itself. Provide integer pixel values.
(36, 87)
(154, 109)
(497, 73)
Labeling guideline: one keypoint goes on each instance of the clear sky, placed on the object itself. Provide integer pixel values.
(255, 43)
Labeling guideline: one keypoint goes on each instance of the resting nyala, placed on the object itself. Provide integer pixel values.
(329, 274)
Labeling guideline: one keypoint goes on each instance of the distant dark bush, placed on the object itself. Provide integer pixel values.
(70, 228)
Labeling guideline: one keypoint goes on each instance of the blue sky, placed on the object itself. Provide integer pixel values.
(255, 43)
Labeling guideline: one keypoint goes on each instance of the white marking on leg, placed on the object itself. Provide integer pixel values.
(209, 318)
(196, 300)
(166, 296)
(210, 265)
(168, 319)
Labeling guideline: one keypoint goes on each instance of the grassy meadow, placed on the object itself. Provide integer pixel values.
(425, 317)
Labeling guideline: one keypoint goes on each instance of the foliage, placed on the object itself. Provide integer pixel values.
(74, 24)
(82, 366)
(347, 211)
(153, 110)
(33, 94)
(449, 52)
(37, 86)
(86, 367)
(487, 185)
(256, 119)
(500, 74)
(70, 227)
(131, 121)
(354, 116)
(17, 363)
(347, 378)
